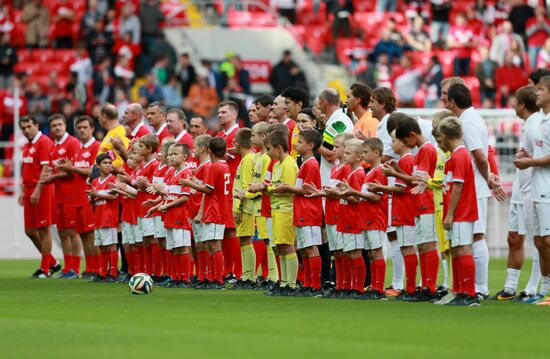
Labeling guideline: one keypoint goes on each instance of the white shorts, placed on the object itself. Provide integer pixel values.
(177, 238)
(334, 238)
(160, 230)
(462, 234)
(131, 233)
(147, 226)
(374, 239)
(516, 219)
(542, 219)
(105, 236)
(425, 229)
(197, 229)
(529, 217)
(269, 223)
(212, 232)
(480, 226)
(307, 236)
(406, 236)
(352, 241)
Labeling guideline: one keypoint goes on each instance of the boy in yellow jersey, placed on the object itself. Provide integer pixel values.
(285, 171)
(244, 209)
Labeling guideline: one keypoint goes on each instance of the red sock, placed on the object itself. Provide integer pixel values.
(140, 258)
(278, 259)
(87, 260)
(191, 266)
(218, 260)
(203, 257)
(467, 269)
(457, 281)
(177, 268)
(422, 257)
(431, 259)
(372, 275)
(104, 264)
(130, 260)
(163, 265)
(94, 263)
(411, 263)
(306, 272)
(260, 250)
(211, 270)
(315, 265)
(186, 267)
(113, 261)
(169, 265)
(155, 255)
(67, 263)
(236, 257)
(45, 263)
(380, 274)
(346, 273)
(53, 261)
(338, 272)
(300, 274)
(147, 260)
(76, 264)
(228, 263)
(359, 274)
(264, 263)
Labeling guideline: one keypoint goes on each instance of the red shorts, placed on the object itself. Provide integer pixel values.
(41, 214)
(65, 215)
(85, 220)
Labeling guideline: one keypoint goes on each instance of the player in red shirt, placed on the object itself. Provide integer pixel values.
(37, 198)
(227, 118)
(408, 130)
(106, 205)
(80, 166)
(460, 210)
(308, 212)
(156, 115)
(176, 123)
(147, 147)
(65, 148)
(215, 207)
(133, 118)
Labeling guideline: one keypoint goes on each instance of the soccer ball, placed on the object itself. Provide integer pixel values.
(140, 283)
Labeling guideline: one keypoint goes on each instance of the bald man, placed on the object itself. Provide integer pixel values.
(133, 118)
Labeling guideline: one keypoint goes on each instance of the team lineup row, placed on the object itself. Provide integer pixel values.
(180, 201)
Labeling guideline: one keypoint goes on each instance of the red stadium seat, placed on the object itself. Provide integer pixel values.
(316, 38)
(60, 68)
(29, 68)
(66, 56)
(237, 19)
(42, 55)
(24, 55)
(473, 84)
(446, 57)
(364, 5)
(262, 19)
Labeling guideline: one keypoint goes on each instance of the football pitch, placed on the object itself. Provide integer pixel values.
(56, 318)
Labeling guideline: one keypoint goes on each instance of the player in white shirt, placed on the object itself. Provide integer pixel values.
(539, 160)
(476, 140)
(520, 217)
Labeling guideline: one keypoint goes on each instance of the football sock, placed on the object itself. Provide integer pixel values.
(467, 269)
(87, 262)
(358, 269)
(260, 251)
(282, 266)
(218, 260)
(307, 272)
(147, 260)
(291, 269)
(315, 265)
(202, 257)
(347, 273)
(338, 272)
(431, 259)
(178, 269)
(53, 261)
(211, 271)
(228, 263)
(422, 262)
(534, 278)
(545, 285)
(191, 266)
(170, 265)
(130, 258)
(104, 264)
(94, 264)
(278, 260)
(380, 265)
(236, 257)
(481, 259)
(300, 273)
(457, 281)
(273, 269)
(411, 263)
(140, 254)
(512, 279)
(248, 256)
(67, 259)
(45, 263)
(113, 261)
(444, 264)
(265, 265)
(186, 273)
(76, 264)
(155, 256)
(398, 264)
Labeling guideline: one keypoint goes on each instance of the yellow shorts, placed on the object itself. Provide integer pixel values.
(246, 227)
(444, 244)
(284, 231)
(261, 226)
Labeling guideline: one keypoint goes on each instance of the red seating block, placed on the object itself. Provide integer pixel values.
(66, 56)
(24, 55)
(473, 84)
(29, 68)
(42, 55)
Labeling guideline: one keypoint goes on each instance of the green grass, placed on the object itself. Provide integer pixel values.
(75, 319)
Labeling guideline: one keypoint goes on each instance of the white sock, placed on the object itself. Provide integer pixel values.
(398, 264)
(545, 285)
(481, 259)
(445, 272)
(534, 279)
(512, 279)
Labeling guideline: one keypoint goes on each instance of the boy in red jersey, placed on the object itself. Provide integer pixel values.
(408, 130)
(147, 147)
(202, 154)
(65, 147)
(81, 167)
(460, 210)
(402, 218)
(307, 212)
(215, 207)
(37, 198)
(176, 218)
(106, 219)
